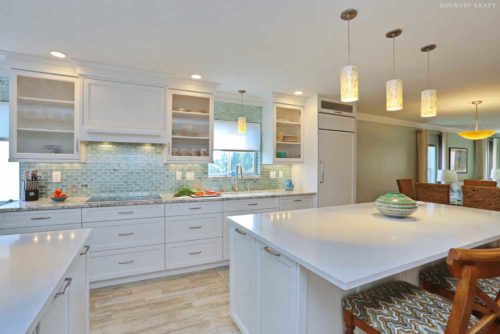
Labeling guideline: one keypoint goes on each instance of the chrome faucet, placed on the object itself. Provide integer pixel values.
(239, 171)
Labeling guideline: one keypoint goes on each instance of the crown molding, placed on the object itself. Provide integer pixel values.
(393, 121)
(230, 97)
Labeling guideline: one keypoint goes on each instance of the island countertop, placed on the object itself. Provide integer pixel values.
(31, 268)
(354, 245)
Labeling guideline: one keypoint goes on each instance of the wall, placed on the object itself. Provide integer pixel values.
(455, 140)
(385, 153)
(138, 168)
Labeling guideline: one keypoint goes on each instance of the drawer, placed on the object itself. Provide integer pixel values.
(194, 208)
(191, 253)
(296, 203)
(193, 227)
(126, 233)
(126, 262)
(251, 204)
(121, 212)
(41, 218)
(35, 229)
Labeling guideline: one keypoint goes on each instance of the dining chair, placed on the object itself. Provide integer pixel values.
(406, 187)
(480, 183)
(433, 193)
(399, 307)
(481, 197)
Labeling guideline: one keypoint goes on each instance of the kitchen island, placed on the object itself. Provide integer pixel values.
(291, 269)
(43, 282)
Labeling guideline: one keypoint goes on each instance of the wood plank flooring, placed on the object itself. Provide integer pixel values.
(191, 303)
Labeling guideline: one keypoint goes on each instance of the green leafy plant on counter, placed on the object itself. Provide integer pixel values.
(184, 192)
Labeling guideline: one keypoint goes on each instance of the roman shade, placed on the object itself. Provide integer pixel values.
(227, 138)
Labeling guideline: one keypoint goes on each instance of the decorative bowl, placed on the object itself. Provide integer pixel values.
(396, 205)
(59, 199)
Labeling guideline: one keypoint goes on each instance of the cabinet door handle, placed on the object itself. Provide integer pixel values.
(66, 286)
(126, 262)
(240, 232)
(194, 227)
(297, 200)
(125, 234)
(40, 218)
(253, 204)
(125, 212)
(195, 208)
(195, 253)
(85, 250)
(271, 251)
(322, 172)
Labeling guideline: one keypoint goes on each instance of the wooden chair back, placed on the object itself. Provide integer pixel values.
(480, 183)
(487, 198)
(433, 193)
(470, 265)
(405, 186)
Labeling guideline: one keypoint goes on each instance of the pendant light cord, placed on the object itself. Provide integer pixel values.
(348, 42)
(428, 69)
(477, 119)
(393, 57)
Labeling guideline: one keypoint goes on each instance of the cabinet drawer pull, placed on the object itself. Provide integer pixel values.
(194, 227)
(195, 253)
(125, 234)
(253, 204)
(271, 251)
(297, 200)
(85, 250)
(126, 262)
(240, 232)
(66, 286)
(40, 218)
(125, 212)
(195, 208)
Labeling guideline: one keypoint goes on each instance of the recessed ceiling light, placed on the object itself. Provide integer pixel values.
(58, 54)
(195, 76)
(298, 92)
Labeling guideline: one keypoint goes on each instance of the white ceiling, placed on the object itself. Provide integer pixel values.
(280, 45)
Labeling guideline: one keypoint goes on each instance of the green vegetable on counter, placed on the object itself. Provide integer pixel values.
(184, 192)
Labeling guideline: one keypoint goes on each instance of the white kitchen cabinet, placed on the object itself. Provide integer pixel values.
(193, 227)
(296, 203)
(192, 253)
(68, 311)
(190, 122)
(226, 226)
(44, 114)
(39, 221)
(243, 280)
(123, 112)
(278, 292)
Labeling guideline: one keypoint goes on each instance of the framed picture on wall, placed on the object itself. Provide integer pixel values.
(458, 159)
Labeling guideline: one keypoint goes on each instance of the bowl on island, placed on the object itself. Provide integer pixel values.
(59, 199)
(396, 205)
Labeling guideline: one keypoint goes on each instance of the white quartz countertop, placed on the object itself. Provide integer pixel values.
(354, 245)
(81, 202)
(31, 268)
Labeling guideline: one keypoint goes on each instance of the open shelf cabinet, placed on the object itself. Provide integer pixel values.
(288, 133)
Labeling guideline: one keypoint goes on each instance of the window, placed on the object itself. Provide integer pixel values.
(431, 164)
(9, 171)
(232, 149)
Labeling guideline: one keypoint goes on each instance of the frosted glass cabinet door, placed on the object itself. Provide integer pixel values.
(44, 111)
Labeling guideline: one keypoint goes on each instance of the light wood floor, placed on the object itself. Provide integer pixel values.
(192, 303)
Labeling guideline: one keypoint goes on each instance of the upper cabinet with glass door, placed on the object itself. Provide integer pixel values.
(288, 133)
(190, 119)
(44, 111)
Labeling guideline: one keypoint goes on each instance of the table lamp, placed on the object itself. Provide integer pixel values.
(447, 176)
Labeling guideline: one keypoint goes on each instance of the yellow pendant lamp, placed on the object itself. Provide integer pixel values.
(428, 100)
(349, 73)
(394, 87)
(476, 134)
(242, 121)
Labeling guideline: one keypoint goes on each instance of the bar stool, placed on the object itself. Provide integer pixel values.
(400, 307)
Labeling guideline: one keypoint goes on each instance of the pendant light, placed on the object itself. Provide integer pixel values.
(394, 87)
(428, 100)
(349, 73)
(242, 120)
(476, 134)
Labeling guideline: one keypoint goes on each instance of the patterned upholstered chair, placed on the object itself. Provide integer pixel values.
(487, 198)
(480, 183)
(433, 193)
(406, 187)
(400, 307)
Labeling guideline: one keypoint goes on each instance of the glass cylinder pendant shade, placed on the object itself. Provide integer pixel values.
(242, 124)
(394, 94)
(349, 83)
(428, 103)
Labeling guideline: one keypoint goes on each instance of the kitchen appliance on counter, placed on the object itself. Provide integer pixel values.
(123, 197)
